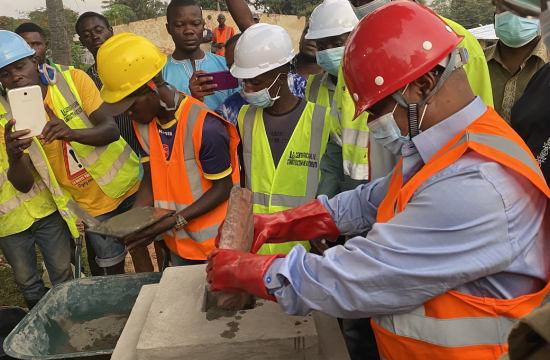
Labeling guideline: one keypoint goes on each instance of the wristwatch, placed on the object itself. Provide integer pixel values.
(180, 221)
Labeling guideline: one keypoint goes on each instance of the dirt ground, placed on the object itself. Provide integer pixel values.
(10, 295)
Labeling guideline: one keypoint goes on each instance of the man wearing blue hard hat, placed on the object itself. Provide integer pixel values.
(29, 215)
(79, 155)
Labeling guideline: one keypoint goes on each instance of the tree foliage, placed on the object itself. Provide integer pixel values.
(285, 7)
(119, 14)
(468, 13)
(40, 17)
(9, 23)
(212, 5)
(142, 9)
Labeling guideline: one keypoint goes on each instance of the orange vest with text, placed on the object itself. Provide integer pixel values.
(181, 182)
(455, 326)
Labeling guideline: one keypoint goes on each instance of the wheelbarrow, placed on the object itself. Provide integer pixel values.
(78, 318)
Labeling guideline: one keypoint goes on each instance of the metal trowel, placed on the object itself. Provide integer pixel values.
(123, 225)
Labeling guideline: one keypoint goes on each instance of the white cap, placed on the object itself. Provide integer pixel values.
(331, 18)
(261, 48)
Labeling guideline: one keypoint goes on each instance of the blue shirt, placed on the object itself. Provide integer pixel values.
(475, 227)
(179, 72)
(229, 109)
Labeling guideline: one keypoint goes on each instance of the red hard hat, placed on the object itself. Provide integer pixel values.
(391, 47)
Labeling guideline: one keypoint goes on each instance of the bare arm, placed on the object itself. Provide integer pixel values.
(211, 199)
(104, 132)
(19, 172)
(144, 195)
(240, 12)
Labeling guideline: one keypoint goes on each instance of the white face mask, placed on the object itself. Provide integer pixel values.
(387, 133)
(262, 98)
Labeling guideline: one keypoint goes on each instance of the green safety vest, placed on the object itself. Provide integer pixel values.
(294, 181)
(44, 198)
(355, 136)
(18, 211)
(114, 167)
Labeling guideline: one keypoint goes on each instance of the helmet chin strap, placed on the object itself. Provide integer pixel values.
(151, 84)
(450, 63)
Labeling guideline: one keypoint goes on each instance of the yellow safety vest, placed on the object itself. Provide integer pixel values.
(294, 181)
(114, 167)
(19, 210)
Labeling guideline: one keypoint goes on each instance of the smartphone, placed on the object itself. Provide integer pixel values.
(223, 79)
(27, 107)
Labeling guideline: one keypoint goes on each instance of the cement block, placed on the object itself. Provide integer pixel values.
(331, 341)
(176, 328)
(126, 346)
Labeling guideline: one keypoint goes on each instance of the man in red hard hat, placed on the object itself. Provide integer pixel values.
(457, 248)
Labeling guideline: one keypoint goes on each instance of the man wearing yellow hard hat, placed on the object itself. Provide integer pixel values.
(188, 152)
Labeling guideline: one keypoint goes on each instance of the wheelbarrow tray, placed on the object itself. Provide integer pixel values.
(78, 318)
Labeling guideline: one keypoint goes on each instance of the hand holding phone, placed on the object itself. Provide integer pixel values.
(223, 79)
(198, 85)
(27, 108)
(16, 141)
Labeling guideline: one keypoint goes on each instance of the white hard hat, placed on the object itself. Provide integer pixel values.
(261, 48)
(331, 18)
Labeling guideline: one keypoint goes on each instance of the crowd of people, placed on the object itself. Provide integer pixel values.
(398, 170)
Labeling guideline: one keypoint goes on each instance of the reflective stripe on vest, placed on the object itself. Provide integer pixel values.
(122, 171)
(196, 239)
(315, 146)
(44, 178)
(473, 327)
(355, 137)
(313, 86)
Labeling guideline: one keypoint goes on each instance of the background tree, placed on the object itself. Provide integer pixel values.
(9, 23)
(285, 7)
(119, 14)
(60, 42)
(212, 5)
(143, 9)
(468, 13)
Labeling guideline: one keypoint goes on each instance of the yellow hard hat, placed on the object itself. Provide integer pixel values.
(125, 63)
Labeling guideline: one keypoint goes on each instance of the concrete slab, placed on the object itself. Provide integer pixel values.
(332, 345)
(126, 346)
(176, 328)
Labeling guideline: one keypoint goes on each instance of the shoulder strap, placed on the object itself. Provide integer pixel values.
(314, 88)
(71, 99)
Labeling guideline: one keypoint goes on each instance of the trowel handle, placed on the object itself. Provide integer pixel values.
(78, 258)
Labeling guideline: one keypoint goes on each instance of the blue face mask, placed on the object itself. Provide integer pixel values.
(515, 31)
(330, 59)
(387, 133)
(262, 98)
(364, 10)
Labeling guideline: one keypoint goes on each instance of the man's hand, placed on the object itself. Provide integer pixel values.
(55, 129)
(148, 235)
(15, 146)
(318, 246)
(198, 89)
(221, 45)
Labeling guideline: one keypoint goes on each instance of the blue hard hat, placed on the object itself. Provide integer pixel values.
(12, 48)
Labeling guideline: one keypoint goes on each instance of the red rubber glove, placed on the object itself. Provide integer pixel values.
(235, 271)
(306, 222)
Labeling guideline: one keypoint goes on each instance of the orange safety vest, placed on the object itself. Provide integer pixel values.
(221, 35)
(181, 182)
(456, 326)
